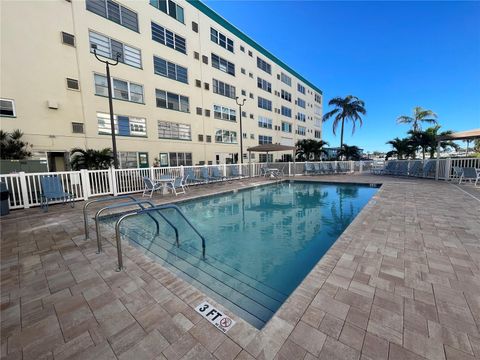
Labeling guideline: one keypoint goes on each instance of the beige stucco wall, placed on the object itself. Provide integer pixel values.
(35, 65)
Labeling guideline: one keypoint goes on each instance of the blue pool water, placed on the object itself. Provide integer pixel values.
(260, 242)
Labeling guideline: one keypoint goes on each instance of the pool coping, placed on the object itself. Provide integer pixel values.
(275, 332)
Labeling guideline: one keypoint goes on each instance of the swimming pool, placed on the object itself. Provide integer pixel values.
(260, 242)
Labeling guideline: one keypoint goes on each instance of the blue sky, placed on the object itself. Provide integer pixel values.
(392, 55)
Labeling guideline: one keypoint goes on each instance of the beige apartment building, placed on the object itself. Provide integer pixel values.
(181, 68)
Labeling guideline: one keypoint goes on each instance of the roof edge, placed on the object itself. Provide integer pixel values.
(234, 30)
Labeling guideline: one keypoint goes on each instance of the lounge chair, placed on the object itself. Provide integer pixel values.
(176, 186)
(234, 173)
(190, 177)
(204, 174)
(52, 189)
(343, 168)
(329, 168)
(457, 173)
(401, 168)
(216, 174)
(416, 169)
(150, 187)
(470, 174)
(388, 169)
(309, 169)
(317, 168)
(428, 167)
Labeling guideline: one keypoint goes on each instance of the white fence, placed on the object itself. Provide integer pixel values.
(25, 188)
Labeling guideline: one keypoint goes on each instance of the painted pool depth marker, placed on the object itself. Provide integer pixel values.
(216, 317)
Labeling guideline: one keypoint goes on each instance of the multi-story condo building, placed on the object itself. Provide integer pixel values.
(181, 68)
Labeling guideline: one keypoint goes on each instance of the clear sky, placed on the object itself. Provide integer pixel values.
(392, 55)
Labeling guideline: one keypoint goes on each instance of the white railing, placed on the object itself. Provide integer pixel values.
(25, 189)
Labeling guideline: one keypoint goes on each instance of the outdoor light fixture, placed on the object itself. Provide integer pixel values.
(110, 101)
(240, 103)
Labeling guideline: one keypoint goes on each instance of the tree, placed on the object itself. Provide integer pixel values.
(310, 149)
(348, 108)
(476, 145)
(432, 134)
(419, 115)
(350, 152)
(401, 148)
(12, 147)
(91, 159)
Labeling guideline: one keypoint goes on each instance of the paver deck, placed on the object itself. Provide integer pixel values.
(402, 282)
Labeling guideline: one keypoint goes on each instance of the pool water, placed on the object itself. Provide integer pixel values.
(260, 242)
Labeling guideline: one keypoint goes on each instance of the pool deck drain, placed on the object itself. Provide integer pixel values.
(402, 282)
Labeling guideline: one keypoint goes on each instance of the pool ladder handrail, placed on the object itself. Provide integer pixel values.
(132, 203)
(88, 203)
(144, 211)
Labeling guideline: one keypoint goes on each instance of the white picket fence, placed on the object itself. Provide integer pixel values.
(25, 188)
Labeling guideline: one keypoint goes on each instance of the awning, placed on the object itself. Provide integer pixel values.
(462, 135)
(271, 147)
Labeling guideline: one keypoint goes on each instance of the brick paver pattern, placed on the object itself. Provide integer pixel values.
(402, 282)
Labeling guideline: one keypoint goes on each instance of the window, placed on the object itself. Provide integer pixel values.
(77, 128)
(122, 90)
(168, 38)
(242, 49)
(301, 103)
(318, 121)
(206, 86)
(224, 89)
(318, 134)
(301, 88)
(170, 8)
(224, 113)
(301, 117)
(209, 138)
(244, 92)
(200, 137)
(124, 125)
(285, 95)
(207, 113)
(318, 110)
(169, 69)
(301, 130)
(264, 104)
(264, 85)
(198, 83)
(199, 111)
(225, 136)
(318, 98)
(286, 79)
(68, 39)
(286, 111)
(252, 136)
(286, 127)
(250, 75)
(264, 122)
(128, 159)
(196, 55)
(223, 65)
(220, 39)
(263, 139)
(250, 53)
(113, 11)
(194, 26)
(7, 107)
(111, 48)
(172, 130)
(179, 159)
(172, 101)
(263, 158)
(263, 65)
(73, 84)
(242, 70)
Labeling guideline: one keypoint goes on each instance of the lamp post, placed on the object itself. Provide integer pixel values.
(240, 103)
(110, 102)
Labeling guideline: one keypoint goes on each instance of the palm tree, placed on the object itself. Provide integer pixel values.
(91, 159)
(401, 148)
(432, 134)
(309, 149)
(12, 147)
(350, 152)
(419, 115)
(348, 108)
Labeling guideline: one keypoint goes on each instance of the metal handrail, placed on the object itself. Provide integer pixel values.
(136, 202)
(85, 218)
(157, 209)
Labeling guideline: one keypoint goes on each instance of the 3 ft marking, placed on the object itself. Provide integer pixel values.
(216, 317)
